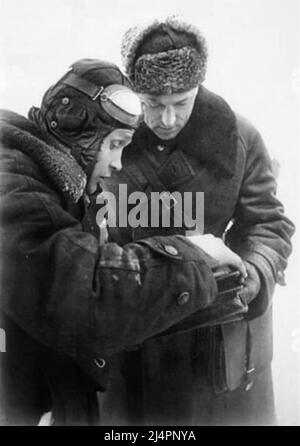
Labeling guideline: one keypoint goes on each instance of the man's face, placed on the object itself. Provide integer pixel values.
(109, 156)
(167, 114)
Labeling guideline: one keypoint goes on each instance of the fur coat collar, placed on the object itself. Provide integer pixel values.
(55, 160)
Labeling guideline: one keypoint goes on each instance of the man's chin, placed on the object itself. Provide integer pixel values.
(95, 191)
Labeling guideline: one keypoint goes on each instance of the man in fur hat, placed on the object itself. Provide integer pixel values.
(67, 302)
(192, 141)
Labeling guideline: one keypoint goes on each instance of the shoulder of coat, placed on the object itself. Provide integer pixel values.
(247, 132)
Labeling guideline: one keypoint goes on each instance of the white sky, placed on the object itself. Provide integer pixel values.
(254, 63)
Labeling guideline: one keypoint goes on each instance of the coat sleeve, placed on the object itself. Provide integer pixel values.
(261, 231)
(72, 295)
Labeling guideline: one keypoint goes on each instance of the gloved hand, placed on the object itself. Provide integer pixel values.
(216, 248)
(251, 285)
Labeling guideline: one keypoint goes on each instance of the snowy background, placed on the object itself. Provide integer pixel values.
(254, 63)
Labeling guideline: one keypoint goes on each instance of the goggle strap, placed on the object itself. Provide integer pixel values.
(84, 86)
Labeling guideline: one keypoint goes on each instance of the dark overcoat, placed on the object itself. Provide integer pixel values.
(67, 304)
(221, 374)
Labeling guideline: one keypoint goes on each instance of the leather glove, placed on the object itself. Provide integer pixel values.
(251, 285)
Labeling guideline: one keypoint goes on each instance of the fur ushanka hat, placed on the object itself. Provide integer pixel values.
(164, 57)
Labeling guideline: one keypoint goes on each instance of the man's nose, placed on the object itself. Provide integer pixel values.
(168, 117)
(116, 162)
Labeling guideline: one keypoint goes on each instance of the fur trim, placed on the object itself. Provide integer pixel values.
(168, 72)
(55, 160)
(135, 35)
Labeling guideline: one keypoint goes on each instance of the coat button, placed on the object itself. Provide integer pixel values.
(53, 124)
(183, 298)
(100, 362)
(160, 148)
(171, 250)
(65, 100)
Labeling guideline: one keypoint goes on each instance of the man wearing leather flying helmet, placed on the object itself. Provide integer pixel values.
(84, 114)
(68, 304)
